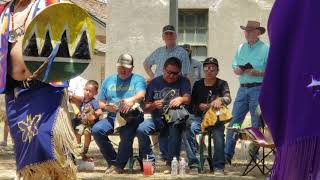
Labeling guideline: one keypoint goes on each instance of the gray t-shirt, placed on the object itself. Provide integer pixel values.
(196, 72)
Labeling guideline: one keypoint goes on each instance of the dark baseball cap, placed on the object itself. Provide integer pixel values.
(168, 28)
(211, 60)
(125, 60)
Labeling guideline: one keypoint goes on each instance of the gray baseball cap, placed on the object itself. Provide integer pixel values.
(168, 28)
(125, 60)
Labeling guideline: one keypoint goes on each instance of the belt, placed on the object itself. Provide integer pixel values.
(27, 84)
(250, 85)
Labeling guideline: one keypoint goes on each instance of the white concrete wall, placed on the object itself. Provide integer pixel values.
(134, 27)
(93, 71)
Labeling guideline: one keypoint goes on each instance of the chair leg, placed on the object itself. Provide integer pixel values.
(256, 164)
(201, 149)
(140, 163)
(210, 157)
(262, 161)
(131, 163)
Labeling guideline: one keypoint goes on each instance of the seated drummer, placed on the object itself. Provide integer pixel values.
(119, 93)
(157, 103)
(208, 92)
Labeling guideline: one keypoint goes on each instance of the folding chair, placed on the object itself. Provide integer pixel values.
(259, 140)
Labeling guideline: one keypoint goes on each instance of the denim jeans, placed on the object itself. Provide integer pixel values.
(246, 101)
(103, 128)
(163, 145)
(147, 128)
(218, 140)
(163, 142)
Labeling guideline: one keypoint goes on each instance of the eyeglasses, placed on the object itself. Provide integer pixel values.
(210, 68)
(173, 73)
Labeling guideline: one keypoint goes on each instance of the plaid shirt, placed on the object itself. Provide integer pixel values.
(160, 55)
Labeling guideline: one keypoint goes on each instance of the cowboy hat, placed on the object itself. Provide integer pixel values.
(252, 25)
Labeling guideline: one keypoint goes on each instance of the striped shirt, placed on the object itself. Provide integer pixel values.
(160, 55)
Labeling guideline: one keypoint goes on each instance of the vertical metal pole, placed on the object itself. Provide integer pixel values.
(173, 14)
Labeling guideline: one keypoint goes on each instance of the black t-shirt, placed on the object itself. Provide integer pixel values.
(206, 94)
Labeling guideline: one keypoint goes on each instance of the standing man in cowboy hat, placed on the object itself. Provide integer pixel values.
(249, 64)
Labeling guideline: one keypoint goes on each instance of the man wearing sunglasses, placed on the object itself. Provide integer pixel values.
(209, 91)
(157, 58)
(170, 90)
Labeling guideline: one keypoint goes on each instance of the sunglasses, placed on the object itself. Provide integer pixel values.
(173, 73)
(210, 68)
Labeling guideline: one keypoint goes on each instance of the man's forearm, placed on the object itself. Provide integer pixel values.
(260, 73)
(148, 70)
(138, 97)
(226, 99)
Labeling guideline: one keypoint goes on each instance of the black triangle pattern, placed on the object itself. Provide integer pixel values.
(47, 47)
(32, 48)
(82, 49)
(63, 49)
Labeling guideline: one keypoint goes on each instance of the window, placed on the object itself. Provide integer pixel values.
(193, 30)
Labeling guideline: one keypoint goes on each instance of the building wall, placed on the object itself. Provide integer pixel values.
(93, 71)
(135, 27)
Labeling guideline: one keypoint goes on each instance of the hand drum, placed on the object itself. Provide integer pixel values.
(62, 35)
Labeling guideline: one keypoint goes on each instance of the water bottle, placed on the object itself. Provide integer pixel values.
(244, 156)
(182, 167)
(174, 167)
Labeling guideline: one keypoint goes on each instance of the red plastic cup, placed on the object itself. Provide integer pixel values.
(147, 168)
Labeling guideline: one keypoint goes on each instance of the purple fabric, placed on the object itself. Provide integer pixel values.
(290, 104)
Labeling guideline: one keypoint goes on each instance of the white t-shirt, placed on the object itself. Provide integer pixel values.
(76, 85)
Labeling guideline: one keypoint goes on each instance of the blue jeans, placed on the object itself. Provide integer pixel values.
(218, 140)
(163, 143)
(147, 128)
(103, 128)
(246, 100)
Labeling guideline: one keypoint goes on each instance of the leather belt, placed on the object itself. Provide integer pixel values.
(250, 85)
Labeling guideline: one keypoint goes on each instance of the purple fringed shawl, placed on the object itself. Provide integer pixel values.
(290, 102)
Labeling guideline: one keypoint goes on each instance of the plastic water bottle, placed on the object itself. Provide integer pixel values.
(182, 167)
(174, 167)
(244, 156)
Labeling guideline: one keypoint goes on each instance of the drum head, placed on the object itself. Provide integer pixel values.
(68, 26)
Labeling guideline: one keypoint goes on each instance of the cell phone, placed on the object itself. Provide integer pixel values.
(248, 66)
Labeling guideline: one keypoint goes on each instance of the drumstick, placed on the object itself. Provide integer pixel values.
(44, 65)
